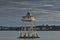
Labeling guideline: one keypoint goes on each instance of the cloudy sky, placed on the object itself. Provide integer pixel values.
(46, 11)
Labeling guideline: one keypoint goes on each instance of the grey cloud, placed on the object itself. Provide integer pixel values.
(9, 19)
(12, 10)
(52, 17)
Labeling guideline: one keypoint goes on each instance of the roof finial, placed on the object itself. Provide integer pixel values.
(29, 9)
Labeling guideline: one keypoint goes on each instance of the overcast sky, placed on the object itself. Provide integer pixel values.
(46, 11)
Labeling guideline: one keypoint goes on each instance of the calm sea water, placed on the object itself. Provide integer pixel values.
(44, 35)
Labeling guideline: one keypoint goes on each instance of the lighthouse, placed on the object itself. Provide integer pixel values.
(28, 21)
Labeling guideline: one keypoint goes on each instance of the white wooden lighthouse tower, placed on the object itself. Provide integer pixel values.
(28, 21)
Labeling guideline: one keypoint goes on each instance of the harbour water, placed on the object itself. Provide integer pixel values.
(44, 35)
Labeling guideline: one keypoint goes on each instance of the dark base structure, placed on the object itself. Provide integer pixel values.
(29, 37)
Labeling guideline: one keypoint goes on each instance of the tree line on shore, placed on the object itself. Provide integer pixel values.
(35, 28)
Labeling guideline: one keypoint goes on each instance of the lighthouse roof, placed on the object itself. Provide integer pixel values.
(28, 17)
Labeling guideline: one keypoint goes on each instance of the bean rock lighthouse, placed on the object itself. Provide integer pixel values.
(28, 21)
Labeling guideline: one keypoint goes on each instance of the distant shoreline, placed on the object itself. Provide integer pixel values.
(35, 28)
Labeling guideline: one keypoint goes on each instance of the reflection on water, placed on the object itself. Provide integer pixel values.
(28, 39)
(44, 35)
